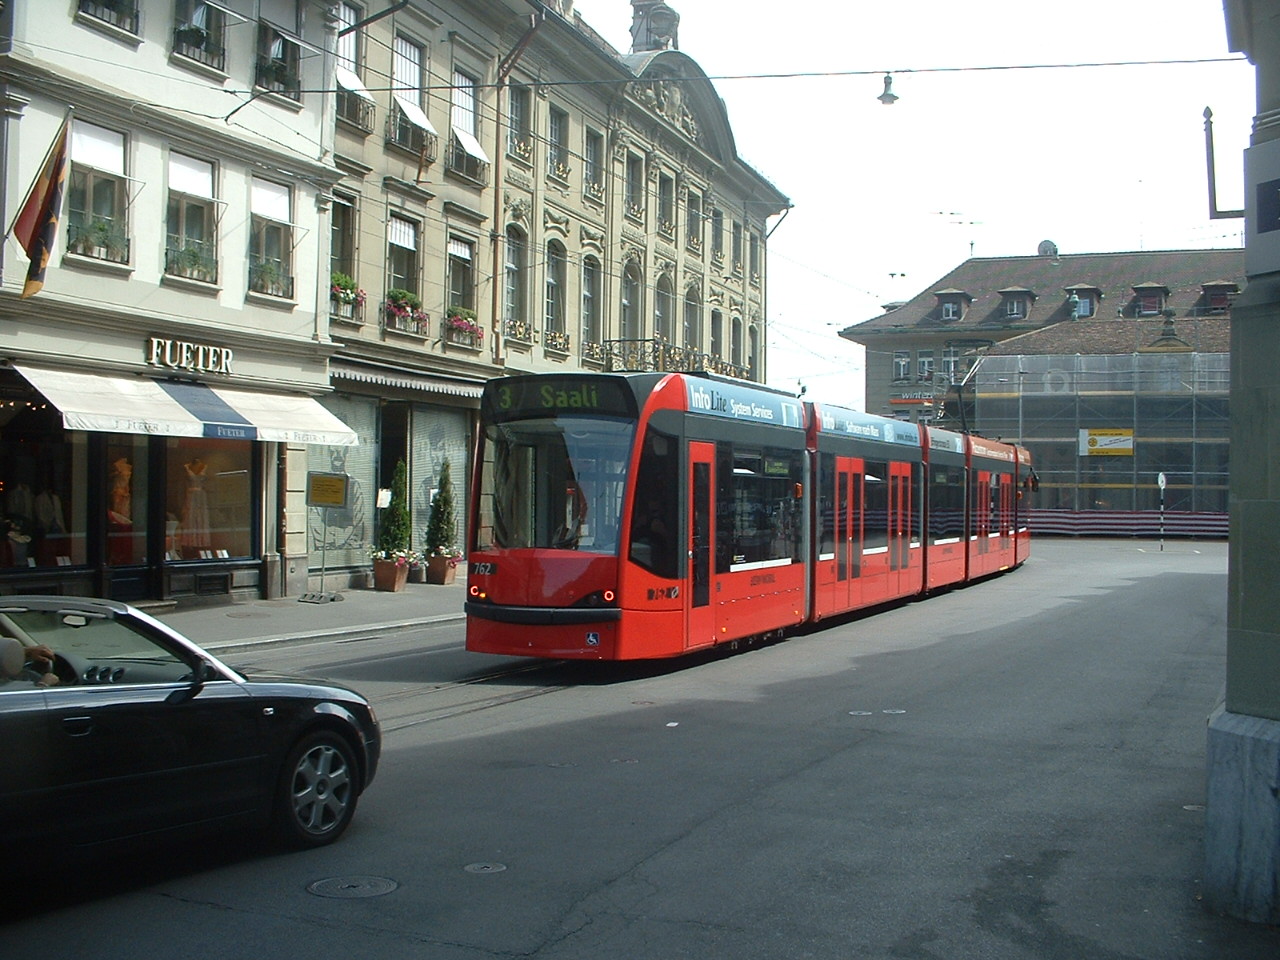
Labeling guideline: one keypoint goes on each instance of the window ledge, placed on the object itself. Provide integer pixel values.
(110, 29)
(195, 66)
(266, 95)
(267, 300)
(109, 267)
(191, 285)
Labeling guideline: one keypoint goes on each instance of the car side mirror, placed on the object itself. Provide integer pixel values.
(201, 671)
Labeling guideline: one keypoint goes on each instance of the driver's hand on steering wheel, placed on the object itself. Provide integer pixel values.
(39, 655)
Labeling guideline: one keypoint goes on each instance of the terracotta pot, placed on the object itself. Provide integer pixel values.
(389, 575)
(440, 570)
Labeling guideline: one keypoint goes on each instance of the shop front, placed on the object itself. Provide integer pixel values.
(139, 487)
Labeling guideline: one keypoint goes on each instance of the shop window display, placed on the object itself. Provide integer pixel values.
(42, 524)
(126, 498)
(208, 500)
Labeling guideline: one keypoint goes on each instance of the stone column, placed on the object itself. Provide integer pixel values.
(1242, 821)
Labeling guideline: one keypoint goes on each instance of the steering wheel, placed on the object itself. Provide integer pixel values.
(63, 669)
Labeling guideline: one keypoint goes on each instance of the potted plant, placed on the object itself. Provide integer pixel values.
(461, 326)
(265, 276)
(392, 557)
(404, 311)
(442, 551)
(192, 35)
(343, 289)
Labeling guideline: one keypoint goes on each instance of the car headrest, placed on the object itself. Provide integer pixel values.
(11, 657)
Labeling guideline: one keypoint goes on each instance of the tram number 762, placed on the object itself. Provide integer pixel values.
(484, 568)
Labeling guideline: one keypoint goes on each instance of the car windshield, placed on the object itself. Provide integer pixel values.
(554, 483)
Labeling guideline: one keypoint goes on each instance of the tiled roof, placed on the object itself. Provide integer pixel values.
(1115, 275)
(1094, 337)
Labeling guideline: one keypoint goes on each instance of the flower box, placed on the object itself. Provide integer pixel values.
(441, 570)
(389, 575)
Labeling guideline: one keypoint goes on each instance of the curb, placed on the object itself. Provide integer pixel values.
(349, 632)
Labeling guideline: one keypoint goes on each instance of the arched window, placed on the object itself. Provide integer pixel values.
(555, 287)
(692, 319)
(735, 344)
(664, 305)
(717, 334)
(753, 353)
(514, 281)
(632, 302)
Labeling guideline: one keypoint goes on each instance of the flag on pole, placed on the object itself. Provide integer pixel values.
(37, 223)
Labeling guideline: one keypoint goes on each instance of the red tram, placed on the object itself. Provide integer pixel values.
(644, 515)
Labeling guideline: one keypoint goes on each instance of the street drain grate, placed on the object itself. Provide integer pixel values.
(352, 888)
(485, 867)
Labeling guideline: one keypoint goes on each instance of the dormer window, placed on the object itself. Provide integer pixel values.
(1082, 301)
(1149, 299)
(1216, 297)
(1017, 302)
(952, 304)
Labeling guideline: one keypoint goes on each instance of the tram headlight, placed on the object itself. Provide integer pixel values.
(598, 598)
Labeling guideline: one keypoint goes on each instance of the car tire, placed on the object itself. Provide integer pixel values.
(319, 787)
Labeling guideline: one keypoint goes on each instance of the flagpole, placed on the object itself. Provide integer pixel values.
(35, 182)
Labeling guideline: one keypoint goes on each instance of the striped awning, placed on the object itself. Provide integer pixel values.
(182, 408)
(407, 380)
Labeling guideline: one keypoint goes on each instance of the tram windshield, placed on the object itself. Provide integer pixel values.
(554, 483)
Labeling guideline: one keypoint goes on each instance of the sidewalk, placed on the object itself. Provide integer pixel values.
(360, 612)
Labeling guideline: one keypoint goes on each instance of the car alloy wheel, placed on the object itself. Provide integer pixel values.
(319, 790)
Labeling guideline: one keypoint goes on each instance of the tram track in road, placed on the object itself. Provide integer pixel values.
(435, 710)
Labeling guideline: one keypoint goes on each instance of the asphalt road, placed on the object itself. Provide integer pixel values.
(1014, 770)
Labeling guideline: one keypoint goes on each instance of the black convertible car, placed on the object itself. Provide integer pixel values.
(114, 726)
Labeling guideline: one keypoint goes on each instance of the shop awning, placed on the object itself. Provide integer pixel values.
(407, 380)
(180, 408)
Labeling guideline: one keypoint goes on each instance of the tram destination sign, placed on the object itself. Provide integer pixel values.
(590, 396)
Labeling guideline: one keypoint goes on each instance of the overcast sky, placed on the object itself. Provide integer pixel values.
(968, 162)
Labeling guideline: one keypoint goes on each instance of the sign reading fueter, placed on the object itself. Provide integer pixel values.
(185, 355)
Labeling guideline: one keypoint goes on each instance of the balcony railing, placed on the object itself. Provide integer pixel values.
(518, 330)
(465, 334)
(118, 13)
(97, 239)
(555, 340)
(463, 163)
(193, 260)
(269, 277)
(278, 77)
(356, 110)
(663, 357)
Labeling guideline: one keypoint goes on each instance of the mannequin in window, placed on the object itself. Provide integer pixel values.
(195, 518)
(120, 499)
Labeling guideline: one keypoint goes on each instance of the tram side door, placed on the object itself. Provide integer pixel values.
(700, 620)
(900, 508)
(982, 511)
(848, 508)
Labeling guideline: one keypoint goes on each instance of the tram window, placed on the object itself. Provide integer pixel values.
(946, 503)
(760, 519)
(826, 505)
(875, 521)
(654, 526)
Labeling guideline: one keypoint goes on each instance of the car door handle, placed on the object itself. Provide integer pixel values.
(77, 726)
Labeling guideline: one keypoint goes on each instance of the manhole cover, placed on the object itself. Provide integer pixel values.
(485, 867)
(352, 888)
